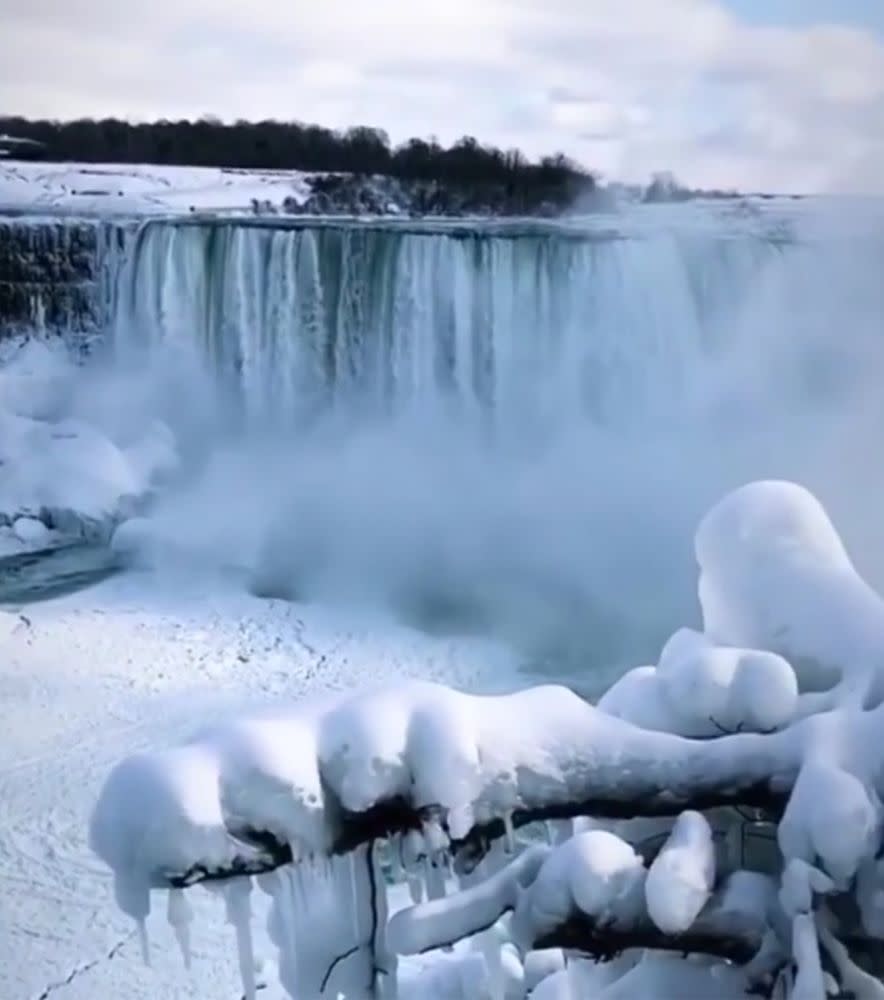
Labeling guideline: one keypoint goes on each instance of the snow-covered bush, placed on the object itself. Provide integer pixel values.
(642, 887)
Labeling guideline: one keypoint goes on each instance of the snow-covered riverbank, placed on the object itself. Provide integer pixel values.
(138, 661)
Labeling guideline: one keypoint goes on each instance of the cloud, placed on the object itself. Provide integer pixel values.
(625, 86)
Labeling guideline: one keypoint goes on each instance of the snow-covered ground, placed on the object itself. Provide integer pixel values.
(125, 189)
(136, 662)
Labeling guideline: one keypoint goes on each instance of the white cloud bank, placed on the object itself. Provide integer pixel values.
(625, 86)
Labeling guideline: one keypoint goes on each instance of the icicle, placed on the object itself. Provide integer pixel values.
(549, 832)
(180, 916)
(354, 894)
(397, 870)
(413, 849)
(435, 838)
(488, 943)
(144, 940)
(239, 914)
(415, 888)
(461, 820)
(133, 898)
(435, 879)
(510, 834)
(267, 882)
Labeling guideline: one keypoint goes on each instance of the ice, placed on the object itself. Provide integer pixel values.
(31, 531)
(539, 965)
(180, 917)
(681, 877)
(236, 898)
(465, 913)
(809, 980)
(67, 464)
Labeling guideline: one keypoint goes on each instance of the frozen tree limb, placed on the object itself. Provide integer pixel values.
(588, 896)
(264, 792)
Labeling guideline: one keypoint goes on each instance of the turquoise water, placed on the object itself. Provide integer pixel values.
(53, 572)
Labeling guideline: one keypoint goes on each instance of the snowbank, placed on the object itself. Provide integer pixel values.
(128, 189)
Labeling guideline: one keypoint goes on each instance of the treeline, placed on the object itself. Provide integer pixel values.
(275, 145)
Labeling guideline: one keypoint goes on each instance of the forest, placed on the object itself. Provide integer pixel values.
(275, 145)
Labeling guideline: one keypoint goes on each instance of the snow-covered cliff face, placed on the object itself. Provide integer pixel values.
(57, 275)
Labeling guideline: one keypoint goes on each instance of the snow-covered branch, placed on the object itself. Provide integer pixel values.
(593, 895)
(256, 794)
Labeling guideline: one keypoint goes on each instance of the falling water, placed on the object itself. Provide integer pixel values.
(517, 424)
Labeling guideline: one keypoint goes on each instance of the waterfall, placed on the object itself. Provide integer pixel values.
(493, 423)
(535, 326)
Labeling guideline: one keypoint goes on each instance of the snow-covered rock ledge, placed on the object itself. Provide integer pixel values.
(62, 475)
(321, 800)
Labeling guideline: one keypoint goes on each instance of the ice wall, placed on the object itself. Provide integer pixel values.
(58, 275)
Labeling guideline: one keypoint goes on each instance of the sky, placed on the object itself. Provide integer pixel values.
(780, 95)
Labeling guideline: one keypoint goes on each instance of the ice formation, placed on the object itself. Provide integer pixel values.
(66, 470)
(641, 886)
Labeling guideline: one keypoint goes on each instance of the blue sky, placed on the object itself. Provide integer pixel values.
(752, 94)
(865, 14)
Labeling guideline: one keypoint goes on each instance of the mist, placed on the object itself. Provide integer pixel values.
(562, 521)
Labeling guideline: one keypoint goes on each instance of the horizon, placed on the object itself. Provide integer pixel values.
(726, 94)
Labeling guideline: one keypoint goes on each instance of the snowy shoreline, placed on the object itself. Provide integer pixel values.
(136, 660)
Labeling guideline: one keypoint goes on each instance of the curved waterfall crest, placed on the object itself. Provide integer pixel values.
(539, 322)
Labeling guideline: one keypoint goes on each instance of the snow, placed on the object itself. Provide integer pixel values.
(442, 766)
(594, 873)
(775, 575)
(140, 190)
(703, 689)
(313, 725)
(64, 464)
(681, 877)
(137, 660)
